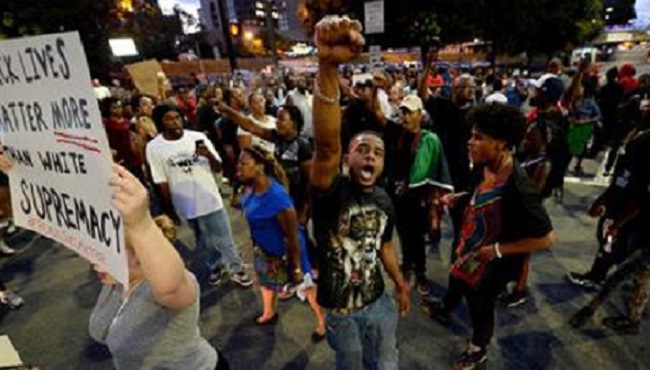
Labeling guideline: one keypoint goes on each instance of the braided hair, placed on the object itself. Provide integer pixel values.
(271, 166)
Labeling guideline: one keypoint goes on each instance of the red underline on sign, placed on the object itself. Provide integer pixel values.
(68, 136)
(80, 145)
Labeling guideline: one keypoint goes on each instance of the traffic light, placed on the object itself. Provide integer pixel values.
(234, 29)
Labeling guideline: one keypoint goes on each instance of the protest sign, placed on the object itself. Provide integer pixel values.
(373, 17)
(145, 76)
(51, 129)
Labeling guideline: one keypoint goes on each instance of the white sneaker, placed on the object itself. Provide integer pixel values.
(11, 299)
(5, 249)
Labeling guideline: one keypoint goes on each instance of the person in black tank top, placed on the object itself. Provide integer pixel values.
(534, 160)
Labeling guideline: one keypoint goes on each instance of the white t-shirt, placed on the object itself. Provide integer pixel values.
(102, 92)
(191, 182)
(304, 104)
(384, 104)
(269, 123)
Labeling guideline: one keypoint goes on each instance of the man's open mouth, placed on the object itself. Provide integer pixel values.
(367, 173)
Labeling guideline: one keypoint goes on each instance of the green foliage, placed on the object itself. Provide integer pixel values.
(96, 21)
(513, 26)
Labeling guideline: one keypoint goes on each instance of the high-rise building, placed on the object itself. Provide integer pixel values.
(251, 16)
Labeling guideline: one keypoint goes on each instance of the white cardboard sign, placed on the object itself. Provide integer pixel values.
(374, 17)
(51, 129)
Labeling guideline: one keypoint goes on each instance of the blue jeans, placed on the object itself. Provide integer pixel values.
(366, 338)
(214, 237)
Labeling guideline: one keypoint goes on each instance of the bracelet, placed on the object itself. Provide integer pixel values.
(497, 250)
(323, 98)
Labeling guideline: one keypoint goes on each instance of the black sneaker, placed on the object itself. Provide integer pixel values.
(584, 280)
(217, 276)
(422, 286)
(470, 360)
(515, 299)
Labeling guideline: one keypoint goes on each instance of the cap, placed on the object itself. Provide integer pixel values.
(412, 103)
(496, 99)
(552, 88)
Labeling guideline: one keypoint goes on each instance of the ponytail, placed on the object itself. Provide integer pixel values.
(272, 167)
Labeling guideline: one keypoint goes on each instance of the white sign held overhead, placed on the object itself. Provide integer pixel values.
(374, 17)
(51, 129)
(375, 54)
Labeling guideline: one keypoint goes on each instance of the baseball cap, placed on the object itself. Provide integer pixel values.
(496, 99)
(552, 87)
(412, 103)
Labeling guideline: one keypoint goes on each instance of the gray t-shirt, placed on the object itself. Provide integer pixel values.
(141, 334)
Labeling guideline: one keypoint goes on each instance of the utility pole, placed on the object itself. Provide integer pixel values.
(225, 28)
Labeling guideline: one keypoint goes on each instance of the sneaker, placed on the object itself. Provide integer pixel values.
(5, 250)
(470, 359)
(217, 275)
(422, 286)
(242, 279)
(11, 299)
(583, 280)
(515, 299)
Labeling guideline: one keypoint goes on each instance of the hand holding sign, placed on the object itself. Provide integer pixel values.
(130, 198)
(5, 163)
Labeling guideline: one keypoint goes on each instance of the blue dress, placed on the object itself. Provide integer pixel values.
(271, 262)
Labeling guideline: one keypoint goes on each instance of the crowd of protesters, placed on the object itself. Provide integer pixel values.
(325, 166)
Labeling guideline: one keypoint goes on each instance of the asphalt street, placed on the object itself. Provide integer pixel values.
(60, 290)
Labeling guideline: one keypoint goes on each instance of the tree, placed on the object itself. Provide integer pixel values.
(98, 20)
(90, 18)
(511, 26)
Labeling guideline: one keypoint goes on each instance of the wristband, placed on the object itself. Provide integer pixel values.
(497, 250)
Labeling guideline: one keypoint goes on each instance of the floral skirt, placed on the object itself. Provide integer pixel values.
(272, 270)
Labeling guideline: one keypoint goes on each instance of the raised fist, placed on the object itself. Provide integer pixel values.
(338, 39)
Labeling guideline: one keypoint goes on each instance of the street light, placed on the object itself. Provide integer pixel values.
(609, 10)
(248, 35)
